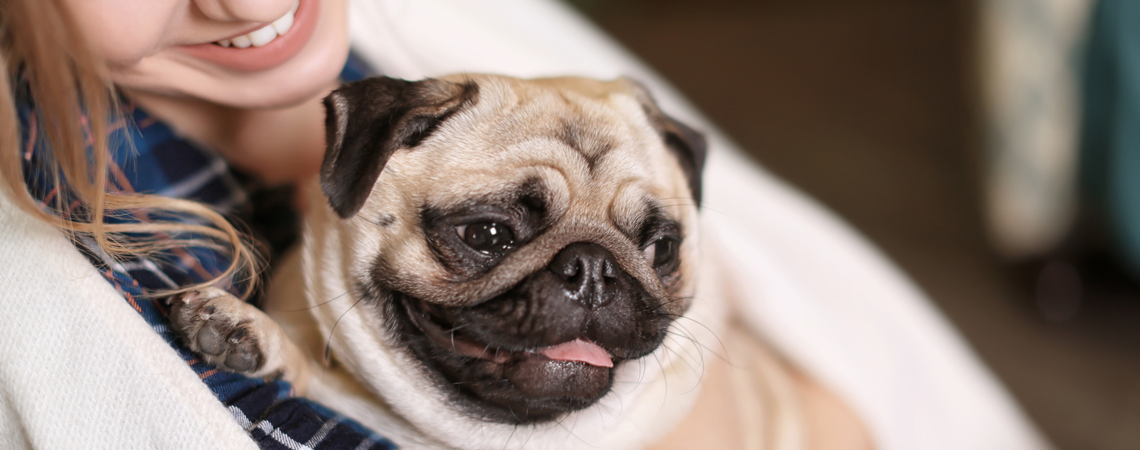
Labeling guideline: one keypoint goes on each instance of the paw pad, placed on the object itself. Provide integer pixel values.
(218, 326)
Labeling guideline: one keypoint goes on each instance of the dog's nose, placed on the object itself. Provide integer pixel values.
(589, 272)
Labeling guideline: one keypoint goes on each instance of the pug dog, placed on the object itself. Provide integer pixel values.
(488, 263)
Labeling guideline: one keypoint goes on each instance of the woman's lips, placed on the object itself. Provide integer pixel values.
(276, 52)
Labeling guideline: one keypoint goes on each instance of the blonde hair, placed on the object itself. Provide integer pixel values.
(75, 103)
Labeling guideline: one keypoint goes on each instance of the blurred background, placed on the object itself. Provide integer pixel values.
(887, 112)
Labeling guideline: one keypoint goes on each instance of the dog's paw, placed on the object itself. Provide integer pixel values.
(223, 330)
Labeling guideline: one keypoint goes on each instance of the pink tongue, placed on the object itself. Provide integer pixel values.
(579, 350)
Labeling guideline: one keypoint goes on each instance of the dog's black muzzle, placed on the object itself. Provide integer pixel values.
(547, 346)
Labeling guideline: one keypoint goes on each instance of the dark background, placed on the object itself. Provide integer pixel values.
(871, 106)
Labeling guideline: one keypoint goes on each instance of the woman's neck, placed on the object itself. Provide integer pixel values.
(279, 146)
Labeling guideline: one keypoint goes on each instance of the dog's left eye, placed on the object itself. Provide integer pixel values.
(662, 252)
(487, 237)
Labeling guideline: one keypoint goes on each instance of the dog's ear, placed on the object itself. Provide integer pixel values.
(368, 120)
(688, 144)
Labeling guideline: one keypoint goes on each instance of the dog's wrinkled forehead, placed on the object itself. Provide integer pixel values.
(489, 117)
(590, 152)
(559, 160)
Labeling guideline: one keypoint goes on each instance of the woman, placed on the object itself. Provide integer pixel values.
(170, 80)
(824, 299)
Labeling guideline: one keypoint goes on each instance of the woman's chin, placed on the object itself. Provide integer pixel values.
(283, 88)
(270, 90)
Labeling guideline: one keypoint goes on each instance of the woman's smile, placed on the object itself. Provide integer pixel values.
(265, 47)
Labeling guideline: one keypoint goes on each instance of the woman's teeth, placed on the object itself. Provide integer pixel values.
(264, 35)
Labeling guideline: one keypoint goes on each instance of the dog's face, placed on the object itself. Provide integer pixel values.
(518, 241)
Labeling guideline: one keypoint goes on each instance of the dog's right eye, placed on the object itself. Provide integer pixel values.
(487, 237)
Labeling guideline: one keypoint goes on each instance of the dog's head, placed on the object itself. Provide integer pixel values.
(517, 240)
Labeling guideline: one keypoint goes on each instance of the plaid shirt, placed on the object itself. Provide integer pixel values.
(148, 157)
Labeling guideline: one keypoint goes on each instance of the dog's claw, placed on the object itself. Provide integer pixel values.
(220, 328)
